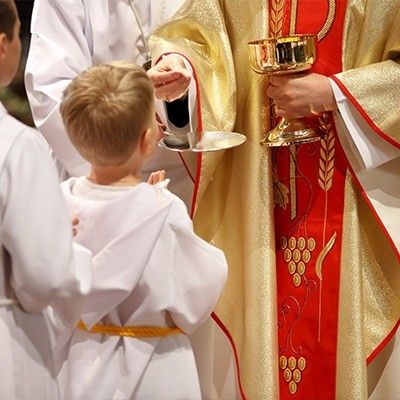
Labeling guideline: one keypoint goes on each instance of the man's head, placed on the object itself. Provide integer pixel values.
(10, 44)
(108, 111)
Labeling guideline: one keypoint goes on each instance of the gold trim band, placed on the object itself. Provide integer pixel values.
(131, 331)
(329, 20)
(325, 28)
(293, 17)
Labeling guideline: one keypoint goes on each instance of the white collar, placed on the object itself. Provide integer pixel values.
(3, 111)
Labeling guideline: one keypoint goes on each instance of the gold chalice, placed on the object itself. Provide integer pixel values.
(285, 55)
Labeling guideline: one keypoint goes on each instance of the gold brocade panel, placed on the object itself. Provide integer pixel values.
(371, 49)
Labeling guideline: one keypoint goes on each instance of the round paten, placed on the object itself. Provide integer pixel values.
(198, 142)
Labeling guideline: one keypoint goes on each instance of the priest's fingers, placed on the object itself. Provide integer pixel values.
(288, 113)
(272, 81)
(172, 62)
(160, 78)
(173, 90)
(277, 81)
(162, 92)
(279, 111)
(280, 80)
(293, 109)
(178, 94)
(272, 91)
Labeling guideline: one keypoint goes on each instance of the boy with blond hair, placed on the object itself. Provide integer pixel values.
(38, 265)
(154, 280)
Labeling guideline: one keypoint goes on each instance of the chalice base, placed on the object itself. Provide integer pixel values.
(289, 132)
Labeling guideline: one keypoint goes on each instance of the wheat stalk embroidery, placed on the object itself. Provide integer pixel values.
(276, 18)
(327, 161)
(325, 181)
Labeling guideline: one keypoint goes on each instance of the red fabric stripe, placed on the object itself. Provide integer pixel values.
(186, 167)
(382, 345)
(228, 335)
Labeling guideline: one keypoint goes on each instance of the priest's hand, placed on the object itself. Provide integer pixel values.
(301, 95)
(170, 77)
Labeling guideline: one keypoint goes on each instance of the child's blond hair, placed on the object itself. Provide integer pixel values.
(106, 109)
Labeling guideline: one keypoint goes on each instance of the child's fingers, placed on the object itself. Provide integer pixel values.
(156, 177)
(151, 179)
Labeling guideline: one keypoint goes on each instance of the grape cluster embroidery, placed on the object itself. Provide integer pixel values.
(292, 369)
(297, 253)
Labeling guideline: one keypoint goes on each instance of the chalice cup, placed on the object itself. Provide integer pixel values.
(279, 56)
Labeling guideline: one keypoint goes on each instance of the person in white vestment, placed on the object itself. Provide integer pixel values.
(154, 280)
(68, 36)
(38, 264)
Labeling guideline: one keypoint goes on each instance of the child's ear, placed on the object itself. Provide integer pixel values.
(147, 142)
(3, 45)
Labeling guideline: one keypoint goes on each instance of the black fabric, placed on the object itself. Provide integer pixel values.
(178, 112)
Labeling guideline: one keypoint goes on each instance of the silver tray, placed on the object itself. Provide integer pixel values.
(198, 142)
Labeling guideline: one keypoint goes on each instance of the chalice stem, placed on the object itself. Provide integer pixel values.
(289, 131)
(275, 133)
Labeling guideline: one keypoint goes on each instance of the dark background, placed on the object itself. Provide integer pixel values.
(14, 97)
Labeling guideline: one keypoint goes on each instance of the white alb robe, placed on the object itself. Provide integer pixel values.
(37, 264)
(149, 269)
(69, 36)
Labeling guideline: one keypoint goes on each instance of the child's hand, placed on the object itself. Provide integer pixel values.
(75, 222)
(156, 177)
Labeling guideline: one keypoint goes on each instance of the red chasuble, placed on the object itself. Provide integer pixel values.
(309, 183)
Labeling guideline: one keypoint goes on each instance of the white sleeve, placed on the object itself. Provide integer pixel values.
(198, 275)
(59, 51)
(370, 148)
(37, 234)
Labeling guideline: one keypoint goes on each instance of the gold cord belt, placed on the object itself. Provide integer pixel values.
(131, 331)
